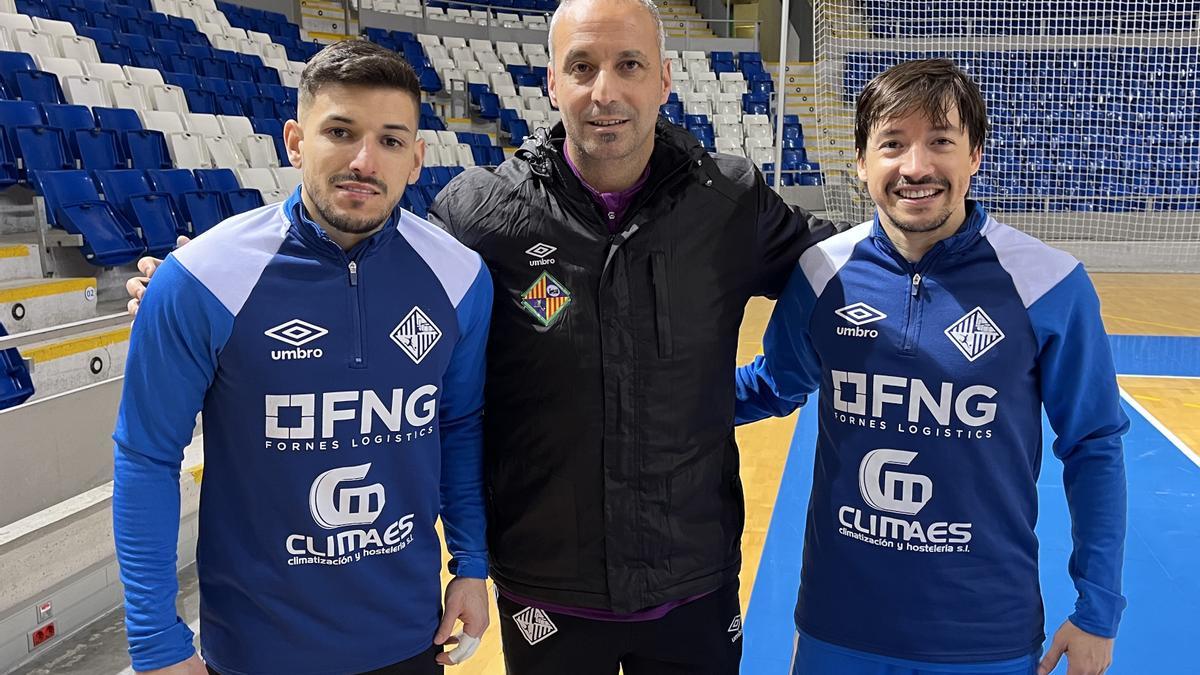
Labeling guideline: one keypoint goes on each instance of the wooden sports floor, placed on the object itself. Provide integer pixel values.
(1154, 320)
(1154, 326)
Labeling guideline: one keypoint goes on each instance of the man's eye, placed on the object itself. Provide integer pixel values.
(339, 133)
(580, 68)
(632, 65)
(393, 142)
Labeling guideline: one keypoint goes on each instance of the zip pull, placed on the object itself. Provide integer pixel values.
(916, 284)
(353, 273)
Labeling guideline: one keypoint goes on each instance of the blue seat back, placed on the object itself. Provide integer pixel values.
(220, 180)
(120, 119)
(44, 149)
(39, 86)
(204, 209)
(98, 149)
(146, 149)
(73, 204)
(16, 386)
(11, 63)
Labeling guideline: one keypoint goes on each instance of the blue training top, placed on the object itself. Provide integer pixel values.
(342, 396)
(920, 536)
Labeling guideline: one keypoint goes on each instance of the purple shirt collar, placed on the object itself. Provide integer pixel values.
(614, 204)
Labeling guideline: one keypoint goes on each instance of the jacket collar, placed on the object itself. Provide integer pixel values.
(968, 233)
(543, 152)
(315, 237)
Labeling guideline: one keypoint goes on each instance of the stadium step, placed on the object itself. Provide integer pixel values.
(19, 261)
(30, 304)
(76, 361)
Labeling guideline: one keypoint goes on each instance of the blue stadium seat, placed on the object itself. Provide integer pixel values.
(39, 86)
(146, 149)
(135, 41)
(15, 114)
(111, 52)
(240, 71)
(237, 198)
(106, 21)
(507, 115)
(182, 80)
(181, 63)
(213, 67)
(69, 118)
(217, 180)
(273, 127)
(148, 59)
(73, 204)
(100, 35)
(10, 63)
(16, 387)
(518, 129)
(205, 210)
(198, 51)
(244, 90)
(120, 119)
(98, 149)
(201, 208)
(43, 149)
(167, 47)
(154, 212)
(200, 101)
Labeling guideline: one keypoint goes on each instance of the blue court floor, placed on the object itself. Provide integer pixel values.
(1160, 631)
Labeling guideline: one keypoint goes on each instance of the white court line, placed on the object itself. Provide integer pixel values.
(1162, 429)
(1162, 377)
(195, 626)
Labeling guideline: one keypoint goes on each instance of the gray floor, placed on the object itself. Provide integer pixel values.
(100, 648)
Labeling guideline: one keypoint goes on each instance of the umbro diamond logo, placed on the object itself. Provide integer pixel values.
(974, 334)
(541, 252)
(416, 335)
(535, 625)
(735, 628)
(860, 313)
(296, 332)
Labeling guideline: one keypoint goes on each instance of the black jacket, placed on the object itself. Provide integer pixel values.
(611, 467)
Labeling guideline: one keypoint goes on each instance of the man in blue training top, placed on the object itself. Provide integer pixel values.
(935, 335)
(335, 345)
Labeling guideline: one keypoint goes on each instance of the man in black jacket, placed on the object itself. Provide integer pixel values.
(623, 256)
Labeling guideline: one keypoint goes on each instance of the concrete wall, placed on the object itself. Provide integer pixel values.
(65, 555)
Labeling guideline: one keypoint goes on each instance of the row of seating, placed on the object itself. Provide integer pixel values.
(534, 16)
(144, 211)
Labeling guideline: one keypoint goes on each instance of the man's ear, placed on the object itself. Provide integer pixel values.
(293, 137)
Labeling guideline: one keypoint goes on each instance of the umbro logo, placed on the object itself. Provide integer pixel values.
(974, 334)
(296, 333)
(535, 625)
(416, 335)
(859, 314)
(541, 253)
(735, 628)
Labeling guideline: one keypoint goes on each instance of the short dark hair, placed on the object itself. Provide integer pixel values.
(358, 63)
(933, 86)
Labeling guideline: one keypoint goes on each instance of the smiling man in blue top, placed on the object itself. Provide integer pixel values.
(935, 335)
(335, 345)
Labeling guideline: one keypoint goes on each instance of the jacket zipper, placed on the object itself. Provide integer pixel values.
(662, 308)
(356, 315)
(912, 316)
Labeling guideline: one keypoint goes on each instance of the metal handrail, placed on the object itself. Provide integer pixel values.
(63, 330)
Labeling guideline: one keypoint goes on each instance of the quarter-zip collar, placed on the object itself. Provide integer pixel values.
(312, 234)
(674, 149)
(968, 233)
